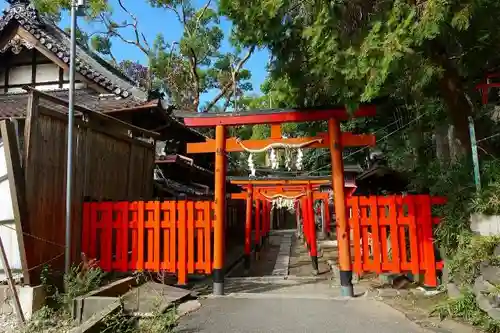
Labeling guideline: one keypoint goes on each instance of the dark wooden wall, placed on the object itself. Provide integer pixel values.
(109, 163)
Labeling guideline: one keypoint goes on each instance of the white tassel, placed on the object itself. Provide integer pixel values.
(298, 163)
(251, 165)
(274, 160)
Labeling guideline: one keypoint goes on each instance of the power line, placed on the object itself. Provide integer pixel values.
(381, 139)
(488, 137)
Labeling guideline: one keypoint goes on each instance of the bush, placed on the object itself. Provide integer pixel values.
(464, 267)
(466, 308)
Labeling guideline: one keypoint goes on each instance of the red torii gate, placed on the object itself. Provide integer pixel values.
(306, 187)
(335, 140)
(262, 192)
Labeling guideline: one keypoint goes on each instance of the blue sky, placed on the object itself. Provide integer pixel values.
(154, 21)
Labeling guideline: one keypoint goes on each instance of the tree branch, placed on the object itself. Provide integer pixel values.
(140, 39)
(228, 85)
(193, 64)
(228, 100)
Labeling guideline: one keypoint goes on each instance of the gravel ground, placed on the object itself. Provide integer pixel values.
(8, 323)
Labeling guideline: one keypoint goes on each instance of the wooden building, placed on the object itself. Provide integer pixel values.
(35, 52)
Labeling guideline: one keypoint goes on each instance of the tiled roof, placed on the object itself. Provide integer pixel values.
(57, 41)
(14, 105)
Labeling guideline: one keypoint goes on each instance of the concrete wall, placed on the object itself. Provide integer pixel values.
(485, 225)
(7, 225)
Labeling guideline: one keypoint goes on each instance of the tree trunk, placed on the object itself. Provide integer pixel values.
(451, 88)
(442, 144)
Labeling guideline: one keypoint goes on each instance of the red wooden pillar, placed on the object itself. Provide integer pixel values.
(220, 210)
(248, 227)
(305, 221)
(267, 218)
(343, 234)
(327, 216)
(312, 230)
(257, 228)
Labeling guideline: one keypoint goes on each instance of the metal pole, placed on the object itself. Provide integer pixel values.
(475, 158)
(71, 115)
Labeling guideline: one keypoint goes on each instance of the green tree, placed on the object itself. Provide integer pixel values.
(185, 68)
(356, 51)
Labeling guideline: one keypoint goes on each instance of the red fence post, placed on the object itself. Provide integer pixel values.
(355, 232)
(190, 237)
(181, 228)
(140, 236)
(124, 212)
(86, 228)
(248, 227)
(257, 228)
(312, 230)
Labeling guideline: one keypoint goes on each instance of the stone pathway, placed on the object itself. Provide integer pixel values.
(302, 305)
(283, 259)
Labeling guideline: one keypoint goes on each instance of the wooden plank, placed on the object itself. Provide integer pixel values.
(140, 235)
(124, 209)
(276, 131)
(393, 220)
(239, 196)
(31, 133)
(150, 229)
(190, 236)
(354, 222)
(198, 224)
(232, 145)
(17, 188)
(157, 231)
(415, 260)
(133, 208)
(208, 208)
(376, 239)
(181, 227)
(425, 220)
(116, 231)
(86, 228)
(106, 235)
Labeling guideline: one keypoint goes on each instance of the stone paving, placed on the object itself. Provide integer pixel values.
(283, 258)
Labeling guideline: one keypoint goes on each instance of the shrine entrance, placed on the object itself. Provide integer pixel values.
(299, 196)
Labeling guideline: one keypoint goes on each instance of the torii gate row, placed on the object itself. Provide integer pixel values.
(264, 189)
(306, 194)
(335, 140)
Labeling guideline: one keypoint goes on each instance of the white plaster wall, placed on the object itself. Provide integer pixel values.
(485, 225)
(47, 73)
(20, 75)
(7, 226)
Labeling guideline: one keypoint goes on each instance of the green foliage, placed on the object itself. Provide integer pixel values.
(79, 282)
(464, 267)
(466, 308)
(160, 322)
(184, 69)
(488, 201)
(48, 320)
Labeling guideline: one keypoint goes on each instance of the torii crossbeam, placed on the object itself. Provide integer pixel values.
(335, 140)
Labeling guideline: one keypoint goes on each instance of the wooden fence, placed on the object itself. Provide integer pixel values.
(170, 236)
(394, 234)
(109, 162)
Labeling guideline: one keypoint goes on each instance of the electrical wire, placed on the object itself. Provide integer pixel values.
(381, 139)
